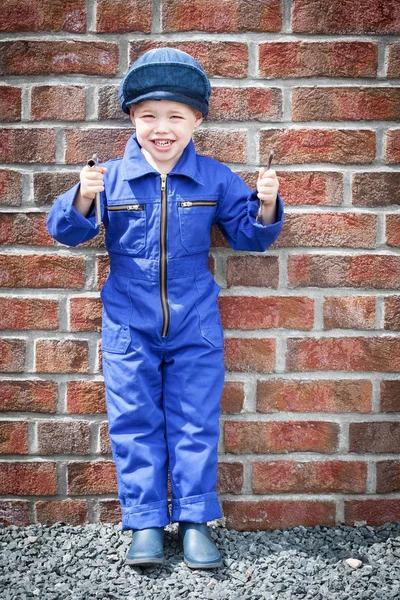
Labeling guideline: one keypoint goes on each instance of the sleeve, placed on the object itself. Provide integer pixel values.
(236, 217)
(67, 225)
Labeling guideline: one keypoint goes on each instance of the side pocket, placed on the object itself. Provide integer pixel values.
(214, 335)
(116, 315)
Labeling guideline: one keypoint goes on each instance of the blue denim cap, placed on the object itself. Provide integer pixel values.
(166, 74)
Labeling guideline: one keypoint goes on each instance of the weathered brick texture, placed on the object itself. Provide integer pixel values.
(312, 326)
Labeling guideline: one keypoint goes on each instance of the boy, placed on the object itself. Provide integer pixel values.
(162, 340)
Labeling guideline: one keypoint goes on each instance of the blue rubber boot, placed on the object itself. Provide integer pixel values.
(146, 547)
(199, 549)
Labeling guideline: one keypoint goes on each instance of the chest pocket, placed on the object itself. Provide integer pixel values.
(127, 228)
(195, 220)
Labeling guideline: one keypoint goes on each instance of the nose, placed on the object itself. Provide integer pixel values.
(161, 126)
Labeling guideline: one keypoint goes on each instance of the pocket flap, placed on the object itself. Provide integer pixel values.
(214, 335)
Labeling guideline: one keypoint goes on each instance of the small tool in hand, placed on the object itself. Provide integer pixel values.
(259, 213)
(93, 162)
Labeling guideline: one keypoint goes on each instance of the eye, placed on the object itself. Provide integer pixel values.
(176, 117)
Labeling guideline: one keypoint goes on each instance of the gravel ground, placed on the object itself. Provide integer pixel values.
(87, 563)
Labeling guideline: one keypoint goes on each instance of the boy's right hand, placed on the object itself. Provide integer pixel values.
(91, 182)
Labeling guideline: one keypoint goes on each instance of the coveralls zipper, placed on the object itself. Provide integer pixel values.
(189, 203)
(127, 207)
(163, 256)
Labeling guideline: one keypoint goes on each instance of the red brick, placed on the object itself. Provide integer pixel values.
(227, 15)
(393, 230)
(311, 187)
(348, 230)
(28, 313)
(86, 397)
(109, 143)
(10, 103)
(28, 479)
(91, 478)
(374, 271)
(245, 104)
(393, 61)
(13, 437)
(223, 145)
(390, 396)
(44, 15)
(281, 395)
(85, 314)
(28, 396)
(110, 511)
(375, 189)
(232, 397)
(318, 59)
(343, 146)
(27, 145)
(109, 105)
(103, 267)
(244, 437)
(63, 437)
(349, 313)
(345, 104)
(105, 444)
(31, 57)
(218, 59)
(71, 512)
(230, 478)
(62, 356)
(373, 512)
(24, 228)
(289, 476)
(247, 312)
(12, 355)
(120, 16)
(336, 16)
(250, 354)
(14, 513)
(10, 188)
(277, 514)
(41, 271)
(260, 271)
(387, 476)
(58, 103)
(392, 313)
(47, 186)
(374, 437)
(348, 354)
(393, 146)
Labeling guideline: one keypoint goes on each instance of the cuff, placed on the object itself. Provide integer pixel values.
(196, 509)
(72, 215)
(143, 516)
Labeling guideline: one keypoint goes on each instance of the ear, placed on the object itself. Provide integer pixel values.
(199, 118)
(132, 115)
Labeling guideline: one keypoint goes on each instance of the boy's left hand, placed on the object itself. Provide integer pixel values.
(267, 188)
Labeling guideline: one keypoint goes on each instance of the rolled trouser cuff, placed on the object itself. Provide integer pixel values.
(144, 516)
(196, 509)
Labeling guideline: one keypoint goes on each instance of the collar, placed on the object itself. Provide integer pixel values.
(135, 165)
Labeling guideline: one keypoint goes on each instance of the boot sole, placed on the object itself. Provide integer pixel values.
(144, 562)
(192, 565)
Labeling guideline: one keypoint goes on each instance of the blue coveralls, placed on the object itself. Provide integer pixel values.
(162, 339)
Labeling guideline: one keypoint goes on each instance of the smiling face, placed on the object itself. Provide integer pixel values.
(164, 129)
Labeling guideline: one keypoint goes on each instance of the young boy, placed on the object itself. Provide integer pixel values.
(162, 339)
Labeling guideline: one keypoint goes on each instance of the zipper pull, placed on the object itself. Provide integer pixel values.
(163, 181)
(186, 204)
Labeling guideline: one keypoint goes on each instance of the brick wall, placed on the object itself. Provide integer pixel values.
(310, 431)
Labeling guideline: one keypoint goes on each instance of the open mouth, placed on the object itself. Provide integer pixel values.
(163, 143)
